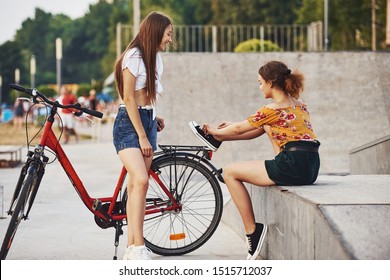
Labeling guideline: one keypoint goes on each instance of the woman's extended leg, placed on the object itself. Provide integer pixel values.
(252, 172)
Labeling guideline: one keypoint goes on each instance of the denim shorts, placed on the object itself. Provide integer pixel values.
(124, 134)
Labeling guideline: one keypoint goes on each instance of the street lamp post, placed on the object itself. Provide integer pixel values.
(388, 22)
(58, 57)
(326, 40)
(17, 76)
(136, 23)
(136, 16)
(373, 25)
(1, 88)
(32, 70)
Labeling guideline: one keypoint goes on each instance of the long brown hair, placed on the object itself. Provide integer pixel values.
(281, 76)
(147, 40)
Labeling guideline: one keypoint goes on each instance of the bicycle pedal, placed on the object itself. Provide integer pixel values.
(97, 205)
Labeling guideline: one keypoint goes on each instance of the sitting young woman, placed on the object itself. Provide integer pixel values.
(286, 121)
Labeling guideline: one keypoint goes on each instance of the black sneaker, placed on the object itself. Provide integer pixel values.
(209, 140)
(255, 241)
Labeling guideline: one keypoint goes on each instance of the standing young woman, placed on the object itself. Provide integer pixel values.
(286, 121)
(138, 79)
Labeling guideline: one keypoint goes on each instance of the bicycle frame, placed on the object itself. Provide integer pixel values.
(49, 140)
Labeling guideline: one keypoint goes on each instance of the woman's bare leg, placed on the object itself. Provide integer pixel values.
(137, 167)
(252, 172)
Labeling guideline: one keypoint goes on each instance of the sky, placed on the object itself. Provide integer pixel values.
(14, 12)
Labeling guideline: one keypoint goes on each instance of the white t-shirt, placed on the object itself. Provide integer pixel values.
(133, 61)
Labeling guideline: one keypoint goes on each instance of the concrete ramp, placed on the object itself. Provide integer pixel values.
(340, 217)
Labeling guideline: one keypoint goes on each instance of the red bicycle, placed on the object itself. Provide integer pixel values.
(184, 200)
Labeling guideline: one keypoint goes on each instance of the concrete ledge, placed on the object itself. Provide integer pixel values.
(340, 217)
(371, 158)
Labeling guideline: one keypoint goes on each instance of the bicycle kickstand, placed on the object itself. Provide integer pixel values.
(118, 233)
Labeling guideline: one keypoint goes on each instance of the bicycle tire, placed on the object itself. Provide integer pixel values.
(18, 212)
(171, 234)
(19, 184)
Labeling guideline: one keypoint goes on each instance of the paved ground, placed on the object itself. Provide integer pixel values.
(60, 227)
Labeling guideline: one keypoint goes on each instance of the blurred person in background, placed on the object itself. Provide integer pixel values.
(67, 114)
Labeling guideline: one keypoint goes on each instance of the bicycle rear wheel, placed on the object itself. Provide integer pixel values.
(21, 205)
(199, 193)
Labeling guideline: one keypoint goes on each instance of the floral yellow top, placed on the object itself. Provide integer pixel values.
(287, 124)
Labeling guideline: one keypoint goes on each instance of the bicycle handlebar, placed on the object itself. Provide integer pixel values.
(35, 93)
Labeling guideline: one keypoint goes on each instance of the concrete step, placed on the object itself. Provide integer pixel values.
(339, 217)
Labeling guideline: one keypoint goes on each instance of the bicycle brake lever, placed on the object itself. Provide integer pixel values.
(78, 114)
(25, 99)
(85, 117)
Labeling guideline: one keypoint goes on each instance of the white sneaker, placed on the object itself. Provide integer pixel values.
(127, 254)
(139, 253)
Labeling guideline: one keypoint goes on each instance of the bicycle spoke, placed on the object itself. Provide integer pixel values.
(197, 192)
(151, 227)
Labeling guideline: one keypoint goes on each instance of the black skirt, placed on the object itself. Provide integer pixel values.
(297, 164)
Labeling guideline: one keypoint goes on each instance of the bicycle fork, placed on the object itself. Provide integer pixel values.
(35, 167)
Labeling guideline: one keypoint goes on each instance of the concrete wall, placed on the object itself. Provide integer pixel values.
(348, 95)
(372, 158)
(297, 229)
(336, 218)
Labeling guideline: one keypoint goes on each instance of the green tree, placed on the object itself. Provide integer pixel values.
(37, 37)
(165, 6)
(196, 12)
(87, 45)
(121, 12)
(349, 21)
(254, 11)
(10, 59)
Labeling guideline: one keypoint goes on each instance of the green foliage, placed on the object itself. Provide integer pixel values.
(48, 91)
(254, 11)
(10, 59)
(349, 22)
(83, 90)
(14, 94)
(254, 45)
(37, 37)
(310, 11)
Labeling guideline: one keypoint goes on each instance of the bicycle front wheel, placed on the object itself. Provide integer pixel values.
(18, 212)
(196, 188)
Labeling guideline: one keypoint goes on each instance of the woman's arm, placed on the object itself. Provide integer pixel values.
(132, 110)
(234, 131)
(257, 132)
